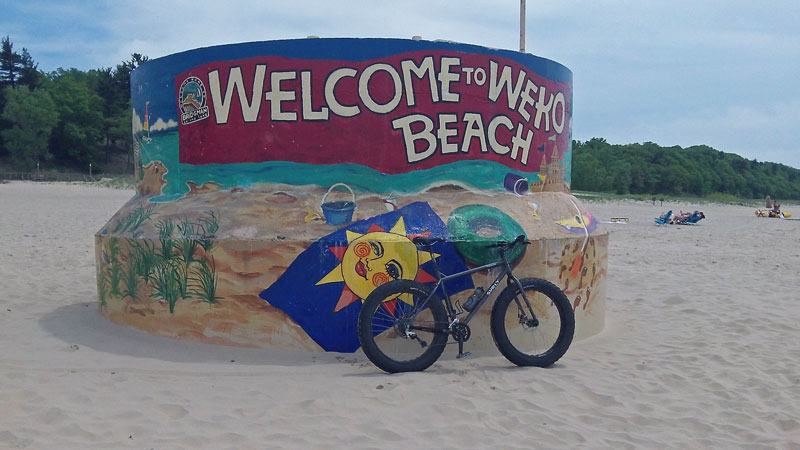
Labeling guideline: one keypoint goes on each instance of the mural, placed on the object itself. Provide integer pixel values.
(280, 182)
(355, 260)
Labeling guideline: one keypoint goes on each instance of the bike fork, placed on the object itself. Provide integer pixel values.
(526, 315)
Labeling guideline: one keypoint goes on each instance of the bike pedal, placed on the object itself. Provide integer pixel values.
(464, 355)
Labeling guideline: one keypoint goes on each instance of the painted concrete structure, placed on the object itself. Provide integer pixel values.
(280, 182)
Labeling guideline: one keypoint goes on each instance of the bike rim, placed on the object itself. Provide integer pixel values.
(393, 318)
(530, 339)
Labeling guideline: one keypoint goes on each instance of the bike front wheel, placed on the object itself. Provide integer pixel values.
(402, 327)
(537, 335)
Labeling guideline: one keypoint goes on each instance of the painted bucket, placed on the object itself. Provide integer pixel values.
(339, 211)
(515, 183)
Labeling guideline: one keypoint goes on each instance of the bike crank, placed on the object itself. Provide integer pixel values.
(461, 333)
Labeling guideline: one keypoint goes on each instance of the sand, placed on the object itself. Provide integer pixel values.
(700, 351)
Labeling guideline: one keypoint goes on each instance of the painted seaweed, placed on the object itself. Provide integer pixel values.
(171, 269)
(165, 283)
(102, 288)
(115, 273)
(210, 227)
(165, 230)
(134, 219)
(206, 279)
(130, 280)
(144, 258)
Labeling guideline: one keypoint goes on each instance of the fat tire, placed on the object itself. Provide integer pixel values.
(373, 302)
(500, 334)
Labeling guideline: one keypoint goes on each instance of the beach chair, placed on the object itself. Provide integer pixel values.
(696, 216)
(663, 219)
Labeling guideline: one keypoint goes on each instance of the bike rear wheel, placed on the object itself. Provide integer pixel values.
(400, 328)
(533, 342)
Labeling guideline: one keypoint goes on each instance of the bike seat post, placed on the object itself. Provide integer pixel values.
(429, 247)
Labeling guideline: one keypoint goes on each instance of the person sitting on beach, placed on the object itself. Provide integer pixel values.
(681, 218)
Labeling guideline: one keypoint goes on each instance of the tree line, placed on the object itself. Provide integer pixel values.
(700, 170)
(66, 119)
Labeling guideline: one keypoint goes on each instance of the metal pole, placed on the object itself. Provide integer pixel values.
(522, 26)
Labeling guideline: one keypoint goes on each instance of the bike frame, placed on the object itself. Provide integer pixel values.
(442, 279)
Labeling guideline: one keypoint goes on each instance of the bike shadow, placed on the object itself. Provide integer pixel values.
(448, 367)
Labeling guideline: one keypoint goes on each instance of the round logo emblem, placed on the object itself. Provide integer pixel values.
(192, 100)
(192, 94)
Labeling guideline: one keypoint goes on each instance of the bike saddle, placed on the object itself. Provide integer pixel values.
(426, 241)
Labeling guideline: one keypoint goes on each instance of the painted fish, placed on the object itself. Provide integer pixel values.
(577, 224)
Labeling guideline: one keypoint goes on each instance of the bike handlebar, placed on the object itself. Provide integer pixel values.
(505, 245)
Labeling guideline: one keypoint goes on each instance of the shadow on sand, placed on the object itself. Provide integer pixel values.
(82, 324)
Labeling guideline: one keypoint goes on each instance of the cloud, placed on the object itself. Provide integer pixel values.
(160, 125)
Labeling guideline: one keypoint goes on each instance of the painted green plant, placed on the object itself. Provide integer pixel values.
(205, 275)
(210, 227)
(144, 258)
(188, 245)
(115, 274)
(102, 288)
(182, 272)
(113, 250)
(134, 219)
(165, 230)
(189, 229)
(165, 283)
(171, 269)
(211, 224)
(129, 278)
(187, 249)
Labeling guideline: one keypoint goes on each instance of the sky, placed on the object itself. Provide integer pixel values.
(722, 73)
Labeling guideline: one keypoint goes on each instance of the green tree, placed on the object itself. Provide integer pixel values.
(9, 63)
(699, 170)
(32, 115)
(17, 69)
(113, 87)
(77, 139)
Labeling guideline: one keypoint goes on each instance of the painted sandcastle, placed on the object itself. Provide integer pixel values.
(280, 182)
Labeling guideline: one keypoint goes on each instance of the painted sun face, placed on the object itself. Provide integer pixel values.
(374, 258)
(377, 258)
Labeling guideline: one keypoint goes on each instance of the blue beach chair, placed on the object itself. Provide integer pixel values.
(696, 216)
(663, 219)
